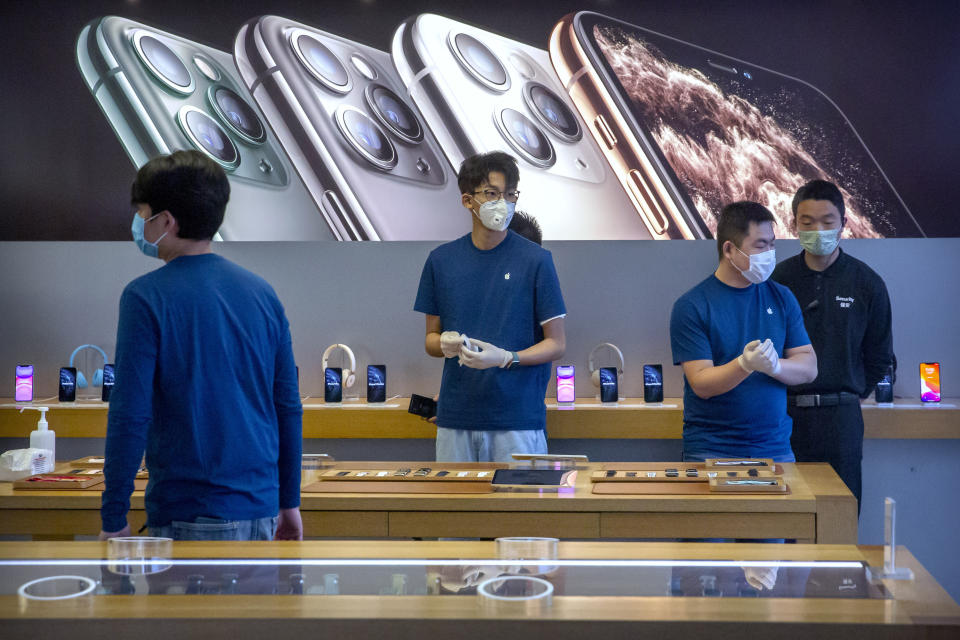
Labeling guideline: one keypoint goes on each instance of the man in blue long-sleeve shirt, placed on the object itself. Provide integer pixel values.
(206, 381)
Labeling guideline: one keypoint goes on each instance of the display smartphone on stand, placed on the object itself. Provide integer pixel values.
(609, 389)
(422, 406)
(884, 390)
(332, 384)
(930, 381)
(686, 130)
(652, 383)
(109, 378)
(566, 392)
(24, 388)
(376, 383)
(68, 384)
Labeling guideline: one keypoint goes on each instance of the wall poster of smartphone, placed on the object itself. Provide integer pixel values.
(377, 383)
(609, 391)
(422, 406)
(67, 390)
(23, 392)
(883, 393)
(480, 91)
(566, 393)
(689, 130)
(342, 113)
(930, 381)
(109, 378)
(332, 384)
(162, 93)
(652, 383)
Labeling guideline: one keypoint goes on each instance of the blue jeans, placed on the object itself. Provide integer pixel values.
(204, 528)
(464, 445)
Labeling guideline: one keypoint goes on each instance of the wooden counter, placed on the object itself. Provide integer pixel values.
(917, 609)
(629, 419)
(819, 508)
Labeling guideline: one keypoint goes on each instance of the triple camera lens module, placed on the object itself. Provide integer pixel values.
(366, 137)
(208, 136)
(321, 63)
(393, 113)
(480, 62)
(526, 137)
(165, 65)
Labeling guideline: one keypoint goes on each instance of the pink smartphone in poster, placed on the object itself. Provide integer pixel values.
(24, 389)
(565, 390)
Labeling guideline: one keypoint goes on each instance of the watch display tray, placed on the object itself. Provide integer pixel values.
(78, 480)
(397, 486)
(409, 474)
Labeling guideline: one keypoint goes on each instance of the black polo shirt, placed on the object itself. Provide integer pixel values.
(846, 311)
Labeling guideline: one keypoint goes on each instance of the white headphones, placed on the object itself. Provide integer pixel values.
(594, 371)
(348, 372)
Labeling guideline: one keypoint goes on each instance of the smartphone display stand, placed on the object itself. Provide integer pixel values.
(890, 569)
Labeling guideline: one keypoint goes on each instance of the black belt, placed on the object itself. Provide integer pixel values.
(823, 399)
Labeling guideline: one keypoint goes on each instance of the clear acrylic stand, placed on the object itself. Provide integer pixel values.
(890, 570)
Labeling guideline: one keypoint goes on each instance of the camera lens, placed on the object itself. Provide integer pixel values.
(163, 63)
(366, 137)
(524, 136)
(552, 111)
(480, 62)
(321, 63)
(238, 115)
(208, 136)
(393, 113)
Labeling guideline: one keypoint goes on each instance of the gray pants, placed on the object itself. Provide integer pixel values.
(464, 445)
(204, 528)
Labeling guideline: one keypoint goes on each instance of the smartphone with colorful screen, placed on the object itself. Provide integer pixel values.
(109, 378)
(609, 391)
(688, 130)
(67, 390)
(24, 388)
(377, 383)
(332, 384)
(653, 383)
(930, 381)
(566, 394)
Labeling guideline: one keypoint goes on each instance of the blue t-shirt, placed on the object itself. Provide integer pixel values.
(498, 296)
(714, 321)
(206, 383)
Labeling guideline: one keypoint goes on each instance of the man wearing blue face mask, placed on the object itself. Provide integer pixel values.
(846, 311)
(205, 378)
(483, 295)
(741, 342)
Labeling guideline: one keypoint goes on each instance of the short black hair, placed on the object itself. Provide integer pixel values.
(188, 184)
(819, 190)
(734, 222)
(527, 226)
(475, 170)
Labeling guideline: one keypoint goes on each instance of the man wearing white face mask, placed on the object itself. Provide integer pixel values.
(740, 340)
(484, 295)
(846, 311)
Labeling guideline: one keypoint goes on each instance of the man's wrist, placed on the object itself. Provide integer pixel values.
(510, 360)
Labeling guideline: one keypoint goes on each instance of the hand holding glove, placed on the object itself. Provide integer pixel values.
(487, 357)
(450, 342)
(760, 356)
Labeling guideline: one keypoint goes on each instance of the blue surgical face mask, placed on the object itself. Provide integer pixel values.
(820, 243)
(149, 249)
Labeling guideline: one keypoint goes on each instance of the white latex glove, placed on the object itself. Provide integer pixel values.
(770, 364)
(750, 359)
(487, 357)
(450, 342)
(761, 578)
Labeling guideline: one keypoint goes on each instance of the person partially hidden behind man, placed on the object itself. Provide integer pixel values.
(740, 340)
(846, 311)
(206, 381)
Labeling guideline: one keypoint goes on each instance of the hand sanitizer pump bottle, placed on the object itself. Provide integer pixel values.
(44, 438)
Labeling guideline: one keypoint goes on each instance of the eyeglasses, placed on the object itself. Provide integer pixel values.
(495, 194)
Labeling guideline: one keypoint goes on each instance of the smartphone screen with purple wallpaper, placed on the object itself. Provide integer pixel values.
(724, 130)
(24, 388)
(565, 387)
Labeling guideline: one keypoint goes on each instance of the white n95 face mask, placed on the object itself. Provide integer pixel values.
(761, 266)
(820, 243)
(497, 214)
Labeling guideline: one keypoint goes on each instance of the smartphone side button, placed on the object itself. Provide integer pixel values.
(651, 210)
(606, 133)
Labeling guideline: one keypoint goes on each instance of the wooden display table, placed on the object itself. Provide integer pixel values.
(818, 508)
(914, 609)
(629, 419)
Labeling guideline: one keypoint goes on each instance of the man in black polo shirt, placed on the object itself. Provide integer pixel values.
(846, 312)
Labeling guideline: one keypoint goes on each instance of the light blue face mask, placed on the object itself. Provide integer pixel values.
(820, 243)
(149, 249)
